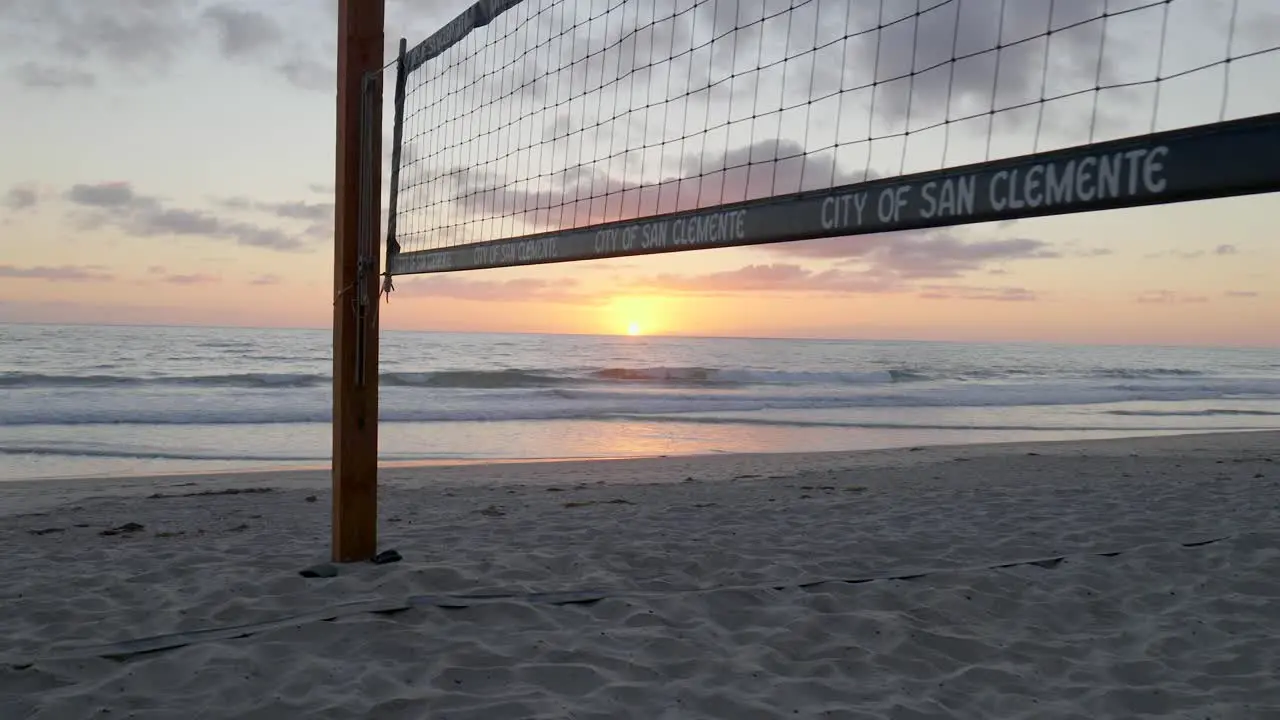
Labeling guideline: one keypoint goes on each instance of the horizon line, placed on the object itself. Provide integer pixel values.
(640, 338)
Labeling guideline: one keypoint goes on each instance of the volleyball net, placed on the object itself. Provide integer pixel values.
(538, 131)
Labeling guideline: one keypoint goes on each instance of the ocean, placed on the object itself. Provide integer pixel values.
(107, 401)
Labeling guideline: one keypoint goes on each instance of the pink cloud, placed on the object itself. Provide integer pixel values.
(514, 290)
(777, 277)
(1165, 297)
(968, 292)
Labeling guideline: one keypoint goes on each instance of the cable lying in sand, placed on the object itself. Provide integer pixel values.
(127, 649)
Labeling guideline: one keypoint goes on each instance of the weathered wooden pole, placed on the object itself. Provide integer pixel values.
(355, 277)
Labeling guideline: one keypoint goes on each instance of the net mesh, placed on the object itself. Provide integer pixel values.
(562, 114)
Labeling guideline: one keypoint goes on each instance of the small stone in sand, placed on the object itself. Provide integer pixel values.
(323, 570)
(125, 529)
(387, 556)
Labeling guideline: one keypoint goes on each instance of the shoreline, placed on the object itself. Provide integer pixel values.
(1109, 578)
(448, 463)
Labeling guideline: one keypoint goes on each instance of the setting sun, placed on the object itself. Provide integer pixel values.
(636, 315)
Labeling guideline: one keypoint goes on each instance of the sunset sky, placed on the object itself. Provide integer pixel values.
(171, 161)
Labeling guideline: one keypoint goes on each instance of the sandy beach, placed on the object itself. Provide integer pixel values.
(1108, 579)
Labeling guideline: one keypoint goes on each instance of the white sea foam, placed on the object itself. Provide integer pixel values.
(104, 392)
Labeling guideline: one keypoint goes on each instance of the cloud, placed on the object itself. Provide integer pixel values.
(301, 210)
(867, 64)
(776, 277)
(90, 273)
(1092, 252)
(1074, 248)
(191, 279)
(292, 210)
(583, 196)
(968, 292)
(242, 33)
(308, 74)
(919, 253)
(263, 280)
(39, 75)
(146, 216)
(791, 278)
(1218, 251)
(132, 35)
(162, 274)
(144, 38)
(115, 194)
(1242, 294)
(1168, 297)
(586, 194)
(514, 290)
(21, 197)
(911, 60)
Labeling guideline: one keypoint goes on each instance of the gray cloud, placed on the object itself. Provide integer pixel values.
(21, 197)
(920, 253)
(308, 74)
(39, 75)
(241, 32)
(291, 210)
(129, 34)
(146, 216)
(144, 38)
(56, 274)
(263, 280)
(583, 196)
(1218, 251)
(1242, 294)
(301, 210)
(106, 195)
(1075, 248)
(1092, 252)
(753, 58)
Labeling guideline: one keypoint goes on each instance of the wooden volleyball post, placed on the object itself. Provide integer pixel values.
(356, 283)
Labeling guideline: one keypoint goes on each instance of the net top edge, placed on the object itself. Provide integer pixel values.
(477, 15)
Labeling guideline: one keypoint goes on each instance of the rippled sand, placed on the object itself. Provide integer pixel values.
(1113, 579)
